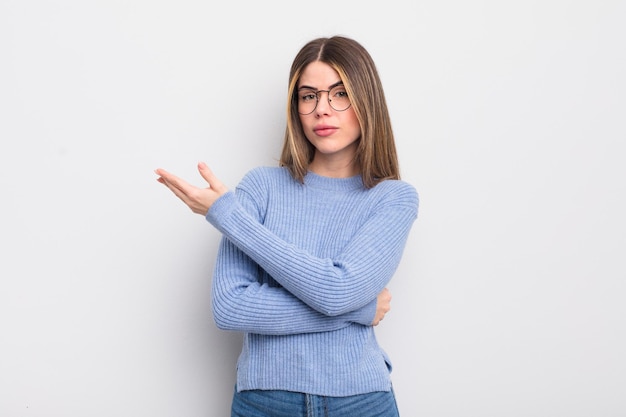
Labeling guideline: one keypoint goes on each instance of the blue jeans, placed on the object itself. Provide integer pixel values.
(257, 403)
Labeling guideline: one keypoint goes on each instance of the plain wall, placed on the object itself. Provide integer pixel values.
(509, 120)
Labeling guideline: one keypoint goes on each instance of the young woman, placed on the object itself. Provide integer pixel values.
(309, 247)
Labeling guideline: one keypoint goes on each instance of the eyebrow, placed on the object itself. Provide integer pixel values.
(313, 88)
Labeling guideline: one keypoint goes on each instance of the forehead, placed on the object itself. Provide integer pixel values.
(319, 75)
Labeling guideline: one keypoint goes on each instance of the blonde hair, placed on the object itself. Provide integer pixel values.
(376, 153)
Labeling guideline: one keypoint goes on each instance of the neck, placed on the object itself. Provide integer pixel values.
(334, 169)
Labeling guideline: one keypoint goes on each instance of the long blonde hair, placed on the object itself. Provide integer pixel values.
(376, 153)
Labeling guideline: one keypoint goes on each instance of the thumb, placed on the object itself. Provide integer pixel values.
(208, 176)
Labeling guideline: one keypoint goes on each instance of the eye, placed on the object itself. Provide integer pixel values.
(308, 95)
(340, 93)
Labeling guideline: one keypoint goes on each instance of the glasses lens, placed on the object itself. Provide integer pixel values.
(307, 101)
(338, 98)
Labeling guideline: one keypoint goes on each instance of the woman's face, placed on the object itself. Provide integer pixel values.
(333, 133)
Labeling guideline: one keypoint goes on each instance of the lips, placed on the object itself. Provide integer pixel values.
(324, 130)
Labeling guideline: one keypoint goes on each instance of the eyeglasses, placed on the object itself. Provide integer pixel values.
(308, 99)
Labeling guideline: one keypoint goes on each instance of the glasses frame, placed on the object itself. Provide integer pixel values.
(317, 99)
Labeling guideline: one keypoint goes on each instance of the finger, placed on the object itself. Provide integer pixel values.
(208, 176)
(165, 177)
(168, 177)
(172, 181)
(177, 192)
(176, 185)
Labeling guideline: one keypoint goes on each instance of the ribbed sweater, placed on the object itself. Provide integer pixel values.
(298, 271)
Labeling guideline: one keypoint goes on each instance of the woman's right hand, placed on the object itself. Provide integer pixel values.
(383, 305)
(199, 200)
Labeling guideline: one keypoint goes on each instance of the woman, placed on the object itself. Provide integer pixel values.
(309, 247)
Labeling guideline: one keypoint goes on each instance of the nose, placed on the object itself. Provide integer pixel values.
(323, 104)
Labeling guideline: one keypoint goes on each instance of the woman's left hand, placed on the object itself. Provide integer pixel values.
(199, 200)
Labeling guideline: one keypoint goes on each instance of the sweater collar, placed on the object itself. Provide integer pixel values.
(328, 183)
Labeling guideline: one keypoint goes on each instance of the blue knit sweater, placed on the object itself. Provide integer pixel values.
(298, 271)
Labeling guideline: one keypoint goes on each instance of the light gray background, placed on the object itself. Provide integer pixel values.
(510, 123)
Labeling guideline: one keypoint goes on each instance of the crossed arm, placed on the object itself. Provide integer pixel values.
(200, 200)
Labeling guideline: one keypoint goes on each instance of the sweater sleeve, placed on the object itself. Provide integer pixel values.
(241, 302)
(333, 286)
